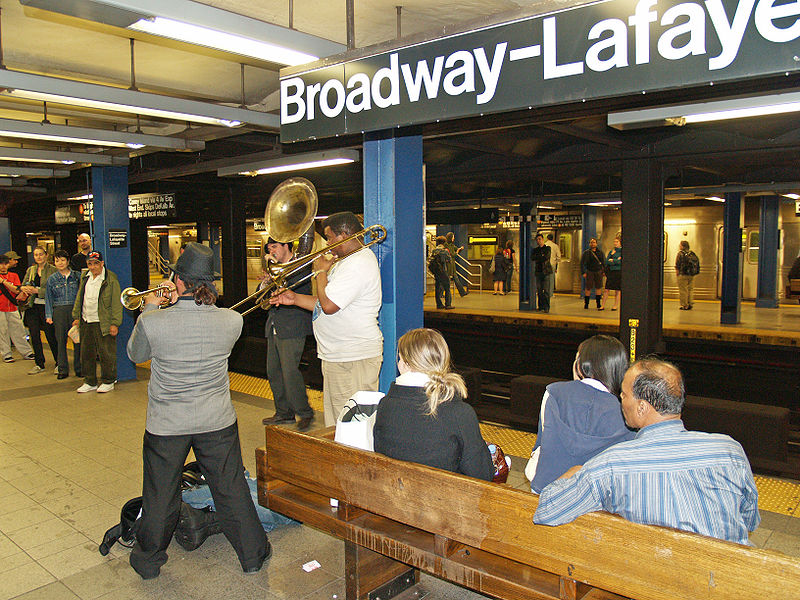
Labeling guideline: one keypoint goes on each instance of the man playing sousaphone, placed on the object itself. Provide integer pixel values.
(345, 314)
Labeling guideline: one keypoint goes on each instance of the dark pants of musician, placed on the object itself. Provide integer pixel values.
(285, 378)
(220, 458)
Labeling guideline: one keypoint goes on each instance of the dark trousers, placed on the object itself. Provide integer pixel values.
(35, 321)
(543, 291)
(94, 344)
(220, 458)
(285, 379)
(461, 285)
(442, 291)
(62, 321)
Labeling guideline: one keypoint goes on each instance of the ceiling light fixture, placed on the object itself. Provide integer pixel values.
(55, 157)
(202, 25)
(715, 198)
(103, 97)
(33, 172)
(93, 137)
(604, 203)
(716, 110)
(296, 162)
(792, 196)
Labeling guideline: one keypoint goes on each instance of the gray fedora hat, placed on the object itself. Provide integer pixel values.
(196, 263)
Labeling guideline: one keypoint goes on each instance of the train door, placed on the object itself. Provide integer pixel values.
(750, 248)
(568, 273)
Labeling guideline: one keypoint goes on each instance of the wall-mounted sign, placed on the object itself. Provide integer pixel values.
(117, 238)
(258, 225)
(797, 208)
(140, 206)
(571, 221)
(597, 50)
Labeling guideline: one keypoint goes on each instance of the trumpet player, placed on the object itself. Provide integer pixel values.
(344, 314)
(286, 331)
(189, 407)
(98, 310)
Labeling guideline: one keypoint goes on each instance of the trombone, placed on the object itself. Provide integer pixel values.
(280, 273)
(132, 298)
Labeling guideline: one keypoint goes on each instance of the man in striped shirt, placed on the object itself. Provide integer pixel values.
(666, 476)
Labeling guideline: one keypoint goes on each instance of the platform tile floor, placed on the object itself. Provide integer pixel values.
(69, 461)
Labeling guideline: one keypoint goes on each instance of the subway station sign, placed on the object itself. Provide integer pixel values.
(602, 49)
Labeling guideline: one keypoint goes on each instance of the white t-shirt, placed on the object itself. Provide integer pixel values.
(352, 332)
(91, 296)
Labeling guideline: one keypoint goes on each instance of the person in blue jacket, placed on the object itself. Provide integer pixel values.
(583, 417)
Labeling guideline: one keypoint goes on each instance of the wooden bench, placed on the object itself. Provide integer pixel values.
(394, 515)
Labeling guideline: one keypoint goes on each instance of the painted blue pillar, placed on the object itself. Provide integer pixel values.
(590, 214)
(731, 304)
(5, 235)
(527, 300)
(110, 210)
(393, 197)
(767, 296)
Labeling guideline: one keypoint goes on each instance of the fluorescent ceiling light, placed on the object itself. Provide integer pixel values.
(85, 197)
(63, 158)
(296, 162)
(680, 221)
(93, 137)
(715, 199)
(33, 172)
(716, 110)
(202, 25)
(103, 97)
(604, 203)
(792, 196)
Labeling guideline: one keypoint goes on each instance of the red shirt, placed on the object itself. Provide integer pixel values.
(5, 303)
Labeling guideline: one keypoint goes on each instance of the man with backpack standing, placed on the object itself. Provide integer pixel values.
(687, 265)
(439, 265)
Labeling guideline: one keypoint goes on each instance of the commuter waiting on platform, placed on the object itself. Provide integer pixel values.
(439, 264)
(667, 476)
(794, 272)
(498, 267)
(583, 417)
(543, 270)
(614, 272)
(592, 267)
(687, 266)
(32, 299)
(511, 262)
(458, 279)
(423, 417)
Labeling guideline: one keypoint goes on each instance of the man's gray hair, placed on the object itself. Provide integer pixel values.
(660, 384)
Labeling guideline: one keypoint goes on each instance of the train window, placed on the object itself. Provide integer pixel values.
(565, 245)
(753, 242)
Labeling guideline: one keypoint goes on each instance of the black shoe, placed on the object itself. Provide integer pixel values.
(304, 424)
(62, 376)
(449, 307)
(276, 420)
(689, 307)
(194, 526)
(257, 567)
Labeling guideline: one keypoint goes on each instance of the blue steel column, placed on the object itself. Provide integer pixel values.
(5, 235)
(526, 300)
(393, 197)
(110, 209)
(731, 304)
(588, 232)
(768, 253)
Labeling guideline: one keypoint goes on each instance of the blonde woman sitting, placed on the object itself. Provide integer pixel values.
(423, 417)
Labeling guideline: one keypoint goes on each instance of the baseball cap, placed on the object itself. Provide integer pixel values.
(94, 255)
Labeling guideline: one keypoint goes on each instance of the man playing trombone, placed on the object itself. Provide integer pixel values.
(345, 314)
(286, 331)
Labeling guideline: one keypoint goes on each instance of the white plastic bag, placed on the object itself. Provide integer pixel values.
(74, 334)
(355, 422)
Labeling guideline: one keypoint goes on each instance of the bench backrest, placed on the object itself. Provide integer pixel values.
(605, 551)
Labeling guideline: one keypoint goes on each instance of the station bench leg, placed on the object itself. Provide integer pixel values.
(367, 572)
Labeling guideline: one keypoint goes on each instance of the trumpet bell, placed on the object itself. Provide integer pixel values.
(291, 209)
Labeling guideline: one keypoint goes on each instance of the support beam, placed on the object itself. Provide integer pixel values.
(731, 303)
(641, 311)
(527, 300)
(393, 197)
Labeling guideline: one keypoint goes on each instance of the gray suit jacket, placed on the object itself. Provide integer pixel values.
(189, 346)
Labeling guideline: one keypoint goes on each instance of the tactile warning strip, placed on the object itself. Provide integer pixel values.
(775, 495)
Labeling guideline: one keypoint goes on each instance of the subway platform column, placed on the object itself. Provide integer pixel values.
(112, 238)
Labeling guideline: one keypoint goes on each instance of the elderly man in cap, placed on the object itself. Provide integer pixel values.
(98, 310)
(286, 331)
(189, 407)
(699, 482)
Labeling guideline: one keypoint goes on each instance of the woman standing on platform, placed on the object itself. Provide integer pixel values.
(500, 267)
(583, 417)
(614, 272)
(423, 417)
(62, 289)
(34, 288)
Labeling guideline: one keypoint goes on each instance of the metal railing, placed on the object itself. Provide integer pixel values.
(467, 271)
(155, 258)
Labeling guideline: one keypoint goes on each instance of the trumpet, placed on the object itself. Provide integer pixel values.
(132, 298)
(280, 273)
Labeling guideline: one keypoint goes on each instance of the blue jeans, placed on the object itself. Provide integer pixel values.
(443, 297)
(543, 283)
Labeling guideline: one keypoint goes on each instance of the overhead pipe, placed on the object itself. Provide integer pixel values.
(351, 24)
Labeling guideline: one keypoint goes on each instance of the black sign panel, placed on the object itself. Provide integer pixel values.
(117, 238)
(608, 48)
(569, 220)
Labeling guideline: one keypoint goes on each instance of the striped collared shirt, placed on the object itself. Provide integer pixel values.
(666, 476)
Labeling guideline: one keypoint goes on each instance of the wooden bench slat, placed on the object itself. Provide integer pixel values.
(601, 550)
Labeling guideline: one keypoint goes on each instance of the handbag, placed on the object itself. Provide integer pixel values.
(491, 266)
